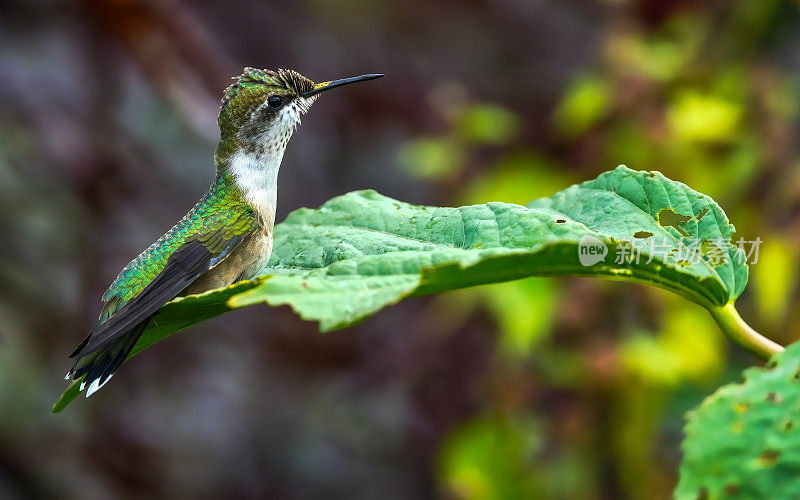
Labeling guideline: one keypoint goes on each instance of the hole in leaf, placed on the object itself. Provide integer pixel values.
(642, 234)
(702, 213)
(668, 218)
(713, 254)
(788, 425)
(774, 397)
(560, 221)
(683, 263)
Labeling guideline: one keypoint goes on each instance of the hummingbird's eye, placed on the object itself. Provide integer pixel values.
(275, 101)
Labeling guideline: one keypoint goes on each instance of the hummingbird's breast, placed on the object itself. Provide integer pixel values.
(254, 169)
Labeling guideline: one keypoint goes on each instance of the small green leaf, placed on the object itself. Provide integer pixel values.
(362, 251)
(744, 440)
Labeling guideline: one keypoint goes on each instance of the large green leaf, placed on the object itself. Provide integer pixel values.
(744, 440)
(362, 251)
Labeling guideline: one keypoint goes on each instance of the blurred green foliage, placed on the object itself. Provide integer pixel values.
(486, 124)
(430, 158)
(774, 286)
(584, 104)
(498, 457)
(688, 348)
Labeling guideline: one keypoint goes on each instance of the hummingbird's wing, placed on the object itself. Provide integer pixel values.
(191, 248)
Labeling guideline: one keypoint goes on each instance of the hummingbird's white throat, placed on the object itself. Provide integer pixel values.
(255, 166)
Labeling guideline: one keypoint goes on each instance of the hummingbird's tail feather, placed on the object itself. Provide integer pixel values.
(100, 365)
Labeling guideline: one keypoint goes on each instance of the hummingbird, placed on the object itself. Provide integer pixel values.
(227, 236)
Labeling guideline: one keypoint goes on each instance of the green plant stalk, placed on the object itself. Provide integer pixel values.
(742, 334)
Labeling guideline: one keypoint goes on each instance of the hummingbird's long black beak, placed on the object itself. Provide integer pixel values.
(322, 87)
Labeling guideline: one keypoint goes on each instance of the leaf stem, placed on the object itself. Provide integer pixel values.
(742, 334)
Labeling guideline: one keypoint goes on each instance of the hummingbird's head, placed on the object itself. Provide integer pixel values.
(261, 109)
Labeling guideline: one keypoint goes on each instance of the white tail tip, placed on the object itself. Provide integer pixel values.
(96, 385)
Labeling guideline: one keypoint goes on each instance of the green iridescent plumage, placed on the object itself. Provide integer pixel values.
(226, 237)
(214, 227)
(220, 215)
(244, 96)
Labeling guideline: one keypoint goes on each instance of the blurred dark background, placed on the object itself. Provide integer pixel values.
(540, 388)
